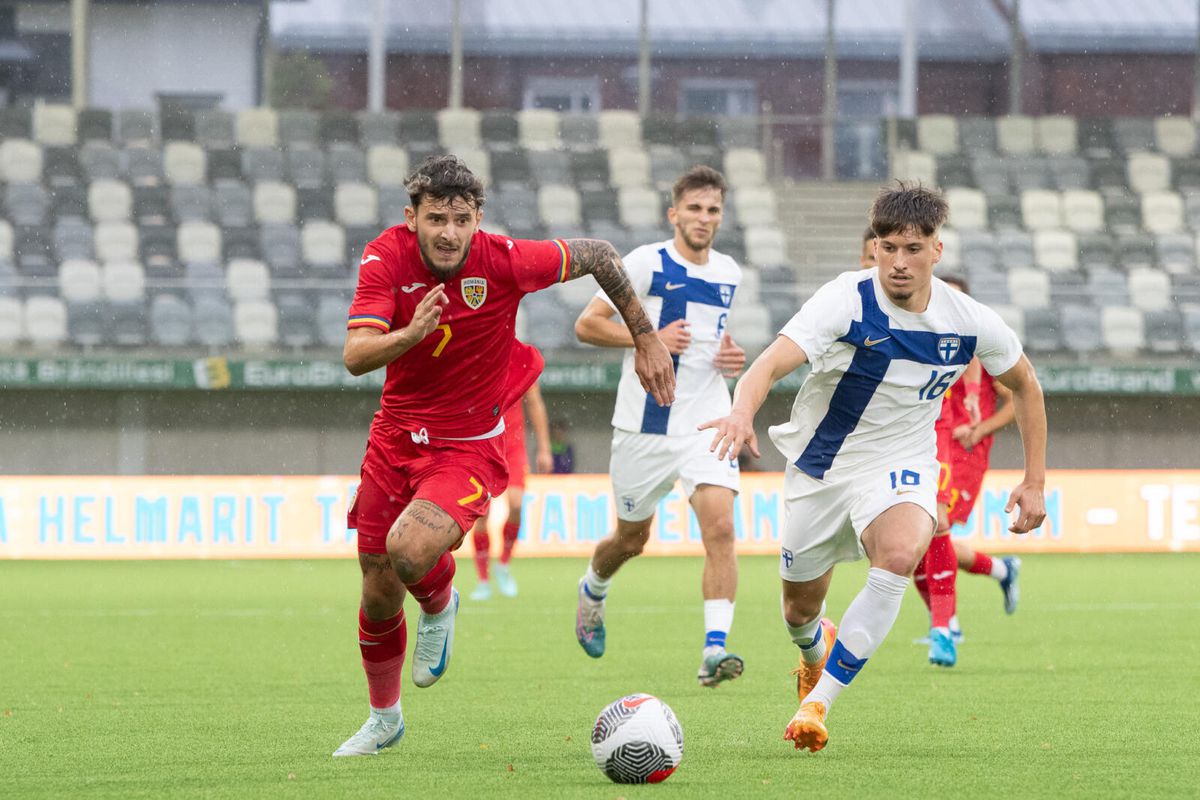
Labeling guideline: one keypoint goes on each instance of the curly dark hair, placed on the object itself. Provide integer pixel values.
(444, 178)
(901, 206)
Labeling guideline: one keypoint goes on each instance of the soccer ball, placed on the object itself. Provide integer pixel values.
(637, 740)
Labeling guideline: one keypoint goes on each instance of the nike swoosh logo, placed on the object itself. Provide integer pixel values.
(441, 665)
(369, 259)
(846, 666)
(941, 576)
(412, 287)
(635, 703)
(869, 342)
(368, 644)
(673, 286)
(906, 491)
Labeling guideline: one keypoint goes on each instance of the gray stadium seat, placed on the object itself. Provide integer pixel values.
(299, 128)
(1175, 252)
(306, 166)
(136, 127)
(1082, 331)
(1135, 249)
(1042, 330)
(60, 167)
(1015, 247)
(1004, 212)
(224, 165)
(26, 204)
(1164, 331)
(280, 246)
(740, 131)
(666, 165)
(498, 130)
(1134, 134)
(1029, 172)
(296, 321)
(191, 203)
(580, 131)
(331, 320)
(128, 324)
(214, 129)
(1069, 172)
(418, 128)
(263, 164)
(170, 321)
(346, 164)
(233, 203)
(339, 127)
(213, 321)
(550, 167)
(1096, 137)
(94, 124)
(378, 128)
(11, 323)
(977, 134)
(144, 165)
(100, 161)
(33, 246)
(73, 239)
(1107, 287)
(87, 323)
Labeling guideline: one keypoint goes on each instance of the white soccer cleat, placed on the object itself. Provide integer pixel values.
(378, 732)
(435, 644)
(505, 582)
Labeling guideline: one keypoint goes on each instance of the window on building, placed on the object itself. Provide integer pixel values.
(577, 95)
(728, 98)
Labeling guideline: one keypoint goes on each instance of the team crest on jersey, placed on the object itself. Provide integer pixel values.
(948, 347)
(726, 293)
(474, 291)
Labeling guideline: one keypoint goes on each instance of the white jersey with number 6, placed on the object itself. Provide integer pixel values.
(672, 288)
(879, 373)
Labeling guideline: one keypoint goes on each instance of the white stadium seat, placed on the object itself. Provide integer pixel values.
(915, 165)
(937, 134)
(274, 202)
(559, 206)
(1083, 210)
(619, 128)
(1015, 134)
(184, 164)
(323, 244)
(629, 167)
(110, 200)
(45, 321)
(387, 165)
(1030, 288)
(639, 207)
(256, 323)
(968, 209)
(79, 281)
(115, 241)
(1162, 212)
(1175, 136)
(198, 242)
(1148, 172)
(1057, 135)
(356, 204)
(745, 167)
(257, 127)
(952, 257)
(538, 129)
(756, 206)
(1124, 329)
(1055, 250)
(1149, 289)
(1041, 209)
(458, 128)
(124, 282)
(247, 280)
(765, 246)
(54, 124)
(20, 161)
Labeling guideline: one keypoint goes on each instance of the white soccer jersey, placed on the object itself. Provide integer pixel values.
(672, 288)
(879, 372)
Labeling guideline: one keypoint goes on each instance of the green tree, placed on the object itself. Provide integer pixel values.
(300, 81)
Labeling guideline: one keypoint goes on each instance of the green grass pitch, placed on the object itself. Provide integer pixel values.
(238, 679)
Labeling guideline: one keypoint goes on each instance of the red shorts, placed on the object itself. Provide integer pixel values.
(966, 479)
(457, 477)
(514, 455)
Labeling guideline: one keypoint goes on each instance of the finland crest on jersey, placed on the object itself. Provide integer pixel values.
(879, 372)
(672, 288)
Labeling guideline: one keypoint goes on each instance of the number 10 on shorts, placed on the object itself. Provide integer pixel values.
(904, 478)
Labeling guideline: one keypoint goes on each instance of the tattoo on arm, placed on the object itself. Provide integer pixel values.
(600, 259)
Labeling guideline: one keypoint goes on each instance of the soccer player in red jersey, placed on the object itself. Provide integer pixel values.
(436, 304)
(514, 449)
(968, 417)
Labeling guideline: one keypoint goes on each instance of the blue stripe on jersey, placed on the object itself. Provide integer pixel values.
(677, 289)
(877, 346)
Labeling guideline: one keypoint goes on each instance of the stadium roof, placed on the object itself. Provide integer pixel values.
(949, 29)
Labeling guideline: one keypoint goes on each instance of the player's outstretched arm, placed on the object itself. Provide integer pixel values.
(368, 349)
(597, 326)
(1030, 409)
(652, 362)
(731, 432)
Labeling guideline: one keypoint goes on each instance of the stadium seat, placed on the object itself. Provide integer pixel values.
(745, 168)
(739, 131)
(968, 209)
(1185, 289)
(127, 324)
(356, 204)
(304, 167)
(765, 246)
(1082, 331)
(550, 167)
(213, 322)
(338, 127)
(345, 163)
(280, 248)
(579, 132)
(299, 128)
(170, 321)
(558, 206)
(79, 281)
(198, 242)
(1029, 288)
(976, 134)
(331, 320)
(1041, 209)
(916, 165)
(979, 249)
(638, 207)
(214, 129)
(1149, 172)
(952, 256)
(144, 165)
(1096, 137)
(1015, 248)
(538, 129)
(1123, 329)
(666, 165)
(750, 325)
(69, 202)
(136, 127)
(1134, 134)
(1134, 249)
(498, 130)
(1107, 287)
(247, 279)
(1043, 330)
(151, 205)
(1164, 331)
(1149, 289)
(1175, 136)
(45, 321)
(1175, 252)
(1004, 211)
(418, 130)
(7, 240)
(378, 128)
(263, 164)
(54, 125)
(1069, 172)
(116, 241)
(629, 167)
(123, 282)
(619, 128)
(1015, 135)
(257, 127)
(73, 238)
(60, 167)
(26, 204)
(191, 203)
(589, 170)
(20, 161)
(323, 246)
(296, 318)
(1029, 172)
(11, 324)
(1057, 134)
(1082, 210)
(274, 202)
(205, 280)
(510, 167)
(1055, 250)
(955, 170)
(387, 165)
(1014, 317)
(937, 133)
(393, 199)
(756, 206)
(1185, 175)
(255, 323)
(1162, 212)
(1110, 174)
(1122, 213)
(99, 161)
(990, 174)
(33, 246)
(233, 204)
(94, 124)
(184, 163)
(520, 206)
(458, 128)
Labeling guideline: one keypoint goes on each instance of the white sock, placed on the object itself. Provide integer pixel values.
(999, 569)
(809, 637)
(865, 625)
(718, 619)
(954, 626)
(391, 712)
(594, 585)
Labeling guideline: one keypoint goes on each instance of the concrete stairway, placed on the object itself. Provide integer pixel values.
(823, 223)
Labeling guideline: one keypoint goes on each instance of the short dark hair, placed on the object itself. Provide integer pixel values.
(957, 279)
(444, 178)
(868, 234)
(901, 206)
(699, 177)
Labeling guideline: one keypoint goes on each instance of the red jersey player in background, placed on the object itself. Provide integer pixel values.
(964, 439)
(436, 304)
(518, 466)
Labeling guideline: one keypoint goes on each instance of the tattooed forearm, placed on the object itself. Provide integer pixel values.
(600, 259)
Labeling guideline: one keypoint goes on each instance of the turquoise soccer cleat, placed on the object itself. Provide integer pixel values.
(942, 652)
(589, 622)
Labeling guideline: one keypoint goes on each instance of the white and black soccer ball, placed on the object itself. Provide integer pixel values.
(637, 739)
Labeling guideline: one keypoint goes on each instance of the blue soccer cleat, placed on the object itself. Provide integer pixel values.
(589, 622)
(942, 652)
(1010, 587)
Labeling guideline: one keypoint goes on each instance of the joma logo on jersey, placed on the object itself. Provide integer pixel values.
(474, 291)
(948, 347)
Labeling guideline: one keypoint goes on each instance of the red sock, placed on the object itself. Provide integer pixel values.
(920, 582)
(941, 569)
(511, 530)
(982, 565)
(382, 644)
(433, 590)
(482, 545)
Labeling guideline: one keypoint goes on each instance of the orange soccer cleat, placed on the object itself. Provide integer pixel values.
(807, 675)
(807, 728)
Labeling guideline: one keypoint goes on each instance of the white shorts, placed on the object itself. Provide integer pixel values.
(824, 520)
(645, 466)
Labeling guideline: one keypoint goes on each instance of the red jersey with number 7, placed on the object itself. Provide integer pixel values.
(457, 381)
